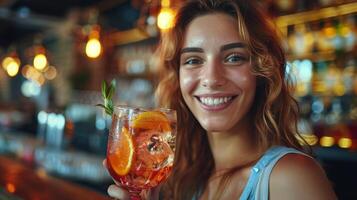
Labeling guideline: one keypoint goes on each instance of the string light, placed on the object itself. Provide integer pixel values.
(345, 142)
(327, 141)
(310, 139)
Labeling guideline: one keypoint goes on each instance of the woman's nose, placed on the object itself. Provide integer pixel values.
(213, 75)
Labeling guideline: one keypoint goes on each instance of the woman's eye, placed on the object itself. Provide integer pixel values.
(235, 59)
(192, 61)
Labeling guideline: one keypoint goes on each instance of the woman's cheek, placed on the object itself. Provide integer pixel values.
(188, 82)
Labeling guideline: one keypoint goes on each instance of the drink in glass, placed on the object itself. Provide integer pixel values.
(141, 147)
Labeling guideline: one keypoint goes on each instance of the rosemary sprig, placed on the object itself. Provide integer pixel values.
(107, 94)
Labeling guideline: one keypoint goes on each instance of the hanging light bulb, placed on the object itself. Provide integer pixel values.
(165, 19)
(93, 46)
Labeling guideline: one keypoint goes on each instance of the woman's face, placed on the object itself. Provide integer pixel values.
(215, 73)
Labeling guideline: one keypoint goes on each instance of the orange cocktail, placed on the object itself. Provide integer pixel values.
(141, 147)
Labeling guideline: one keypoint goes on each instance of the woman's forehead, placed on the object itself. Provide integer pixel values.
(212, 29)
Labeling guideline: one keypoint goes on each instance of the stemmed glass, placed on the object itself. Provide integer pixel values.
(141, 146)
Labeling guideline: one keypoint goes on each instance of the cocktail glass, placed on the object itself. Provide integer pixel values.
(141, 146)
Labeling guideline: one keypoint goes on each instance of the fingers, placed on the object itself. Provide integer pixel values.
(118, 193)
(105, 163)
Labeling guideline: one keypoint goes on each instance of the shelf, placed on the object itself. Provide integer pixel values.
(327, 56)
(314, 15)
(321, 55)
(131, 36)
(148, 76)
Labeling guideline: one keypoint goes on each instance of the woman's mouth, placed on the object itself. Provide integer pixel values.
(215, 103)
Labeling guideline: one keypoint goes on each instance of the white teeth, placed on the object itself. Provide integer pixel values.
(210, 101)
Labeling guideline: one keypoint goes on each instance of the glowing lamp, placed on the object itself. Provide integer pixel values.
(345, 143)
(327, 141)
(12, 69)
(40, 61)
(165, 19)
(93, 48)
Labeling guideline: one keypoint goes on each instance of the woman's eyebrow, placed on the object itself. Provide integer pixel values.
(233, 45)
(191, 49)
(223, 48)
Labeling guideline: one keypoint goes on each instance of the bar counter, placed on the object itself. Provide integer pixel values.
(21, 181)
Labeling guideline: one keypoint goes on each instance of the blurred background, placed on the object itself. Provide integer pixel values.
(55, 54)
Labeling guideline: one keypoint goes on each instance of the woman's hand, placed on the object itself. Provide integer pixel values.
(115, 190)
(118, 192)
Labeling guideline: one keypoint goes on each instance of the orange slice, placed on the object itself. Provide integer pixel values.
(122, 159)
(153, 120)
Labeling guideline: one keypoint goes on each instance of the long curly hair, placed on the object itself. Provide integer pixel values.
(274, 111)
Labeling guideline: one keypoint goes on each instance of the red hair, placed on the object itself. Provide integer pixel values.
(275, 111)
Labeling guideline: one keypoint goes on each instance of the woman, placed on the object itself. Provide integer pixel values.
(225, 75)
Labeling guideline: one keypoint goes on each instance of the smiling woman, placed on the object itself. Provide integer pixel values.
(237, 135)
(216, 78)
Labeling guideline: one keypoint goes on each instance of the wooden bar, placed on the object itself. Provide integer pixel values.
(31, 184)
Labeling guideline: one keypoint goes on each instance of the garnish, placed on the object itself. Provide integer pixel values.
(122, 159)
(153, 120)
(107, 94)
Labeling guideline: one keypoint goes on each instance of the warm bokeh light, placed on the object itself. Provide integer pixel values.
(33, 73)
(50, 73)
(11, 65)
(165, 19)
(10, 187)
(310, 139)
(25, 71)
(39, 79)
(345, 30)
(12, 68)
(327, 141)
(339, 89)
(93, 48)
(345, 143)
(40, 62)
(330, 32)
(165, 3)
(6, 61)
(41, 173)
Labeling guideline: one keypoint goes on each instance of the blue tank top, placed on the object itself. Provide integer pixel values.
(257, 187)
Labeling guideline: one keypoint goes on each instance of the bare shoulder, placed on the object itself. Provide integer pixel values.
(297, 176)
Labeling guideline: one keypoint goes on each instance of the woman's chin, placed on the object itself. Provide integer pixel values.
(214, 127)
